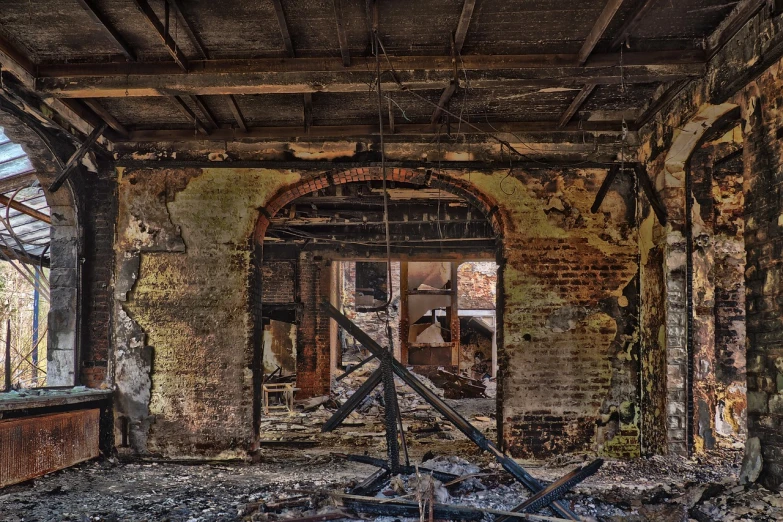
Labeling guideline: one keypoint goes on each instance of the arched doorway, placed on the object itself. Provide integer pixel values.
(326, 239)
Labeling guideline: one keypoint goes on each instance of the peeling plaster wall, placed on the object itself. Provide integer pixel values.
(184, 330)
(182, 352)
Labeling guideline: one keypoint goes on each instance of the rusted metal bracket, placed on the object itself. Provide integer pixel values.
(76, 159)
(447, 411)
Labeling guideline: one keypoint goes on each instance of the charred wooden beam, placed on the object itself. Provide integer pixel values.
(171, 46)
(342, 38)
(632, 23)
(17, 63)
(407, 470)
(464, 23)
(444, 409)
(353, 401)
(21, 180)
(736, 20)
(652, 195)
(300, 75)
(75, 160)
(24, 209)
(236, 112)
(597, 32)
(281, 22)
(99, 19)
(202, 107)
(661, 103)
(580, 99)
(106, 116)
(326, 131)
(185, 109)
(608, 180)
(195, 39)
(556, 489)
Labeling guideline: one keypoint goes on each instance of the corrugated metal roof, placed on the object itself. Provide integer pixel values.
(33, 234)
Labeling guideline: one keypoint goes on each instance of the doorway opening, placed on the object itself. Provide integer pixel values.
(435, 307)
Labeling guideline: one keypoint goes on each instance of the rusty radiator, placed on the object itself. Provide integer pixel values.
(33, 446)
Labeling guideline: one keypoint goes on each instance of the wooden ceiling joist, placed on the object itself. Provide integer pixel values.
(17, 63)
(308, 112)
(462, 27)
(100, 20)
(186, 110)
(598, 30)
(342, 37)
(633, 22)
(202, 107)
(281, 21)
(236, 112)
(106, 116)
(300, 75)
(161, 30)
(195, 39)
(736, 20)
(580, 99)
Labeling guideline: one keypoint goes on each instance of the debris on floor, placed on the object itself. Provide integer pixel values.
(310, 486)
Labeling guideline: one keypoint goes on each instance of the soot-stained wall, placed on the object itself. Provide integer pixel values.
(183, 323)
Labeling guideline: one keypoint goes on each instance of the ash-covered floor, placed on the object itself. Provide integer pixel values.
(289, 483)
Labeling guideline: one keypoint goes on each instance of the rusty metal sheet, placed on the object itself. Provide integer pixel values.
(33, 446)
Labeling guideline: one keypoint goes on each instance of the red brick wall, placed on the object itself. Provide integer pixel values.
(312, 351)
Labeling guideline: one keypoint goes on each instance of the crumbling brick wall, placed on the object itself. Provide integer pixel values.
(763, 159)
(183, 329)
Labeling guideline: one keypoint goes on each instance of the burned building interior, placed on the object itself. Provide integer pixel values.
(314, 260)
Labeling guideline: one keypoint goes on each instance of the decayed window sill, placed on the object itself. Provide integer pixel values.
(42, 398)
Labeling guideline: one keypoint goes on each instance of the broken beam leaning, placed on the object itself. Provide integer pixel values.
(300, 75)
(353, 401)
(599, 198)
(76, 159)
(444, 409)
(24, 209)
(408, 470)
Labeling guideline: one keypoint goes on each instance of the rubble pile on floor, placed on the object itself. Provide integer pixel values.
(288, 485)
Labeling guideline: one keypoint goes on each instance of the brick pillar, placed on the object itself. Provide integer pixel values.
(313, 336)
(763, 155)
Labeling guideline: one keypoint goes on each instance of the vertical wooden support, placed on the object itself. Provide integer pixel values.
(404, 320)
(453, 313)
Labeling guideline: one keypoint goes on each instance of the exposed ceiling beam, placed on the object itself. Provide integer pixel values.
(464, 23)
(289, 47)
(661, 103)
(633, 22)
(17, 63)
(99, 19)
(300, 75)
(189, 114)
(342, 37)
(77, 114)
(735, 21)
(604, 19)
(195, 39)
(106, 116)
(234, 107)
(202, 107)
(168, 41)
(330, 131)
(24, 209)
(580, 99)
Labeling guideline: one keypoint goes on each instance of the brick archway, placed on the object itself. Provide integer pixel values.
(313, 379)
(422, 177)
